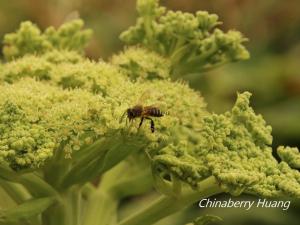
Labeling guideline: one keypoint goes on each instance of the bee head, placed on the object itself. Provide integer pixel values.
(130, 113)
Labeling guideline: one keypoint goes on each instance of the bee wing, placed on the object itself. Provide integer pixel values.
(145, 95)
(156, 105)
(158, 102)
(148, 94)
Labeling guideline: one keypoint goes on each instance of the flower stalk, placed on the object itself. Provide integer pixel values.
(167, 205)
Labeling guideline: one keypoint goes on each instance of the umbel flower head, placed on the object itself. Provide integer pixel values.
(112, 92)
(192, 42)
(234, 147)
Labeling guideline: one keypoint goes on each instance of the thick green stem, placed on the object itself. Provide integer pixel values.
(103, 202)
(167, 205)
(101, 209)
(74, 198)
(57, 214)
(87, 190)
(67, 211)
(136, 176)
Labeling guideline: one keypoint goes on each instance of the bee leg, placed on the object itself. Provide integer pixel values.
(122, 117)
(142, 120)
(130, 122)
(151, 124)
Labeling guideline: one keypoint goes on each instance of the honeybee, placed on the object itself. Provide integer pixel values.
(143, 112)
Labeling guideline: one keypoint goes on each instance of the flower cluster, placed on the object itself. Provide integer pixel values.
(191, 41)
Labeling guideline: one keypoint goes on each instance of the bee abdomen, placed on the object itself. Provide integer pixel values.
(155, 112)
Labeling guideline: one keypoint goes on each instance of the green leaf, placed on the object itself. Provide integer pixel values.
(36, 186)
(26, 210)
(98, 158)
(7, 174)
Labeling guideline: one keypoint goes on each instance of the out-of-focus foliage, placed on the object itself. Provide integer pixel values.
(270, 24)
(192, 42)
(29, 39)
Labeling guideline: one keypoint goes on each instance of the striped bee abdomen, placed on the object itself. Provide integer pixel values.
(155, 112)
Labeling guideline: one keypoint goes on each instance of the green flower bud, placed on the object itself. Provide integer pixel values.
(142, 64)
(289, 155)
(191, 42)
(235, 148)
(28, 39)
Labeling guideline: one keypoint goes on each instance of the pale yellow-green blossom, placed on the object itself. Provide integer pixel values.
(106, 87)
(62, 56)
(289, 155)
(142, 64)
(192, 42)
(29, 39)
(36, 119)
(235, 148)
(28, 66)
(188, 141)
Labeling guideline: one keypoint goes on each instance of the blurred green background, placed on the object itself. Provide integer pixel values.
(272, 74)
